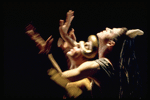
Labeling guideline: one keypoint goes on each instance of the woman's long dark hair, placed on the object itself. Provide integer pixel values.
(130, 82)
(124, 59)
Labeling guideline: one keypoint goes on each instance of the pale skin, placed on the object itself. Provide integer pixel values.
(84, 68)
(63, 28)
(89, 68)
(76, 57)
(74, 52)
(45, 46)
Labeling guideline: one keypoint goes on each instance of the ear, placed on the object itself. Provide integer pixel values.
(110, 43)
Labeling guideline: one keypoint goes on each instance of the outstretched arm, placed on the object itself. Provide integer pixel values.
(85, 70)
(44, 46)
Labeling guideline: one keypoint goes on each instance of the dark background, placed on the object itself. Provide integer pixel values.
(25, 72)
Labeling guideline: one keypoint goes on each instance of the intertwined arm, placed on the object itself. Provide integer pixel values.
(85, 70)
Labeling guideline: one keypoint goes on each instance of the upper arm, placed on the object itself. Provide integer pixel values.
(86, 69)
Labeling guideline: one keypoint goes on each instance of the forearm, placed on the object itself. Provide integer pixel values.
(56, 66)
(86, 69)
(68, 39)
(82, 84)
(72, 91)
(71, 75)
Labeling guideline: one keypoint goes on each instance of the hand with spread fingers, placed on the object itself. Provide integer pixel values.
(63, 29)
(64, 44)
(65, 26)
(44, 46)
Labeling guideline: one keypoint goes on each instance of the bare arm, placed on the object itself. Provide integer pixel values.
(85, 70)
(82, 84)
(44, 46)
(63, 29)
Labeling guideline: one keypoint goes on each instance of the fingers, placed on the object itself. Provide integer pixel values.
(48, 38)
(69, 14)
(71, 31)
(68, 23)
(69, 17)
(49, 41)
(61, 22)
(64, 26)
(41, 51)
(72, 35)
(30, 27)
(48, 44)
(60, 42)
(30, 32)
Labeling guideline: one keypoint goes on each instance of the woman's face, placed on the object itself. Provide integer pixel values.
(108, 33)
(76, 52)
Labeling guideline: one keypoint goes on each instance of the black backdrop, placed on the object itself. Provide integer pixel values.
(25, 72)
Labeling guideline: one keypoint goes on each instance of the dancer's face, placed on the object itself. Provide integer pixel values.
(108, 34)
(75, 52)
(104, 35)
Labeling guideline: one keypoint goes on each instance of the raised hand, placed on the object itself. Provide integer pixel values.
(30, 27)
(63, 44)
(44, 46)
(63, 28)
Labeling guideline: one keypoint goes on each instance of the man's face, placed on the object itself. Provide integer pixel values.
(75, 52)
